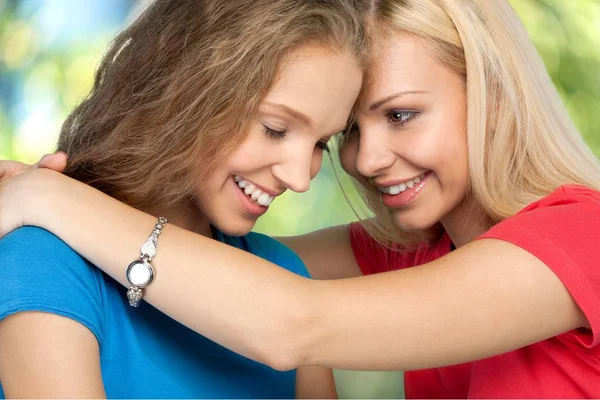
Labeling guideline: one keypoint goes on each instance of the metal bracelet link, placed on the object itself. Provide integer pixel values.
(148, 250)
(134, 295)
(140, 273)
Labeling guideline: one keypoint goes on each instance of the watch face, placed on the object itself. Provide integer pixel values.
(140, 273)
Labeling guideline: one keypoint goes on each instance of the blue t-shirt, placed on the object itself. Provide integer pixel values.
(143, 352)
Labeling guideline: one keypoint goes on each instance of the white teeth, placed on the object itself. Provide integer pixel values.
(249, 189)
(394, 190)
(256, 194)
(264, 199)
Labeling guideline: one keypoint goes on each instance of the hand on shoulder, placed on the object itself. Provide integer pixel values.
(23, 196)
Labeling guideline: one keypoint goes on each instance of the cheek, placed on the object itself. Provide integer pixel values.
(204, 195)
(253, 153)
(348, 155)
(449, 155)
(440, 143)
(462, 161)
(455, 143)
(316, 162)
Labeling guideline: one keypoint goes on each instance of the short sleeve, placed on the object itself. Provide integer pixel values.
(276, 252)
(563, 231)
(39, 272)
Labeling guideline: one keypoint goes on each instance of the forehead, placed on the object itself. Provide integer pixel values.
(319, 82)
(401, 62)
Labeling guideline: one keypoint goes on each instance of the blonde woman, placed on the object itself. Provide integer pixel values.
(475, 174)
(192, 101)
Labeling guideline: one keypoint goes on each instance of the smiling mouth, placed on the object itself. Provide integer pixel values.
(403, 186)
(253, 192)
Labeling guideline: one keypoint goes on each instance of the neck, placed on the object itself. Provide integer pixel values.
(186, 216)
(465, 223)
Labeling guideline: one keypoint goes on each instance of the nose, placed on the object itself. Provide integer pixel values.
(374, 155)
(297, 169)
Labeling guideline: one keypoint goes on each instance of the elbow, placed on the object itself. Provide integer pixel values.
(283, 361)
(290, 343)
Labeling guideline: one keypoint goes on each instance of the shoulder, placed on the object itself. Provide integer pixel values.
(29, 243)
(41, 251)
(561, 230)
(39, 272)
(568, 195)
(274, 251)
(568, 215)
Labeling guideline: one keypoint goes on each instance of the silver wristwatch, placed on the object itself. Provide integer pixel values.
(140, 273)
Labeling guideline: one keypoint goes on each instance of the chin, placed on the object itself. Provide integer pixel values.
(234, 228)
(412, 222)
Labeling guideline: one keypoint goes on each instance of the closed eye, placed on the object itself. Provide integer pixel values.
(323, 146)
(275, 134)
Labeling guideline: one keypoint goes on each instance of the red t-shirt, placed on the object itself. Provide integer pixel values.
(562, 230)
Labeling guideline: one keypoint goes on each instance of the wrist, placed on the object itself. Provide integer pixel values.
(42, 193)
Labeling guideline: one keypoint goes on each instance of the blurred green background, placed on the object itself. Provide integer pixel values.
(50, 48)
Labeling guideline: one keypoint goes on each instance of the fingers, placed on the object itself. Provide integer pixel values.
(56, 161)
(11, 168)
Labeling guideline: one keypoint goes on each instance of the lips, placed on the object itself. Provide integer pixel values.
(402, 186)
(406, 196)
(253, 192)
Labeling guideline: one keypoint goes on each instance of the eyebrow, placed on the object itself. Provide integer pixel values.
(381, 102)
(290, 111)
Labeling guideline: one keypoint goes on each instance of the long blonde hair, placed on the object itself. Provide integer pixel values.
(522, 144)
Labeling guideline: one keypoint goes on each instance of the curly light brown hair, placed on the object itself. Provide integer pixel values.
(178, 88)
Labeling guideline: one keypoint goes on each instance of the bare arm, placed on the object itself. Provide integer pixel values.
(486, 298)
(47, 356)
(327, 253)
(315, 383)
